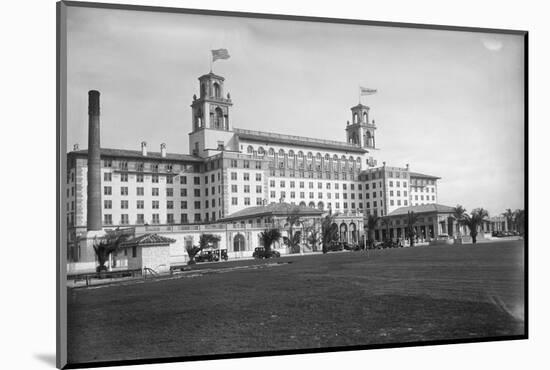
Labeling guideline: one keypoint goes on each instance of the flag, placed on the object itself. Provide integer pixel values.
(367, 91)
(220, 54)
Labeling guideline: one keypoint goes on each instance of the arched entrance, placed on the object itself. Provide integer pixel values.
(343, 232)
(239, 245)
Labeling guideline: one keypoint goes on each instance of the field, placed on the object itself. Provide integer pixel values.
(338, 299)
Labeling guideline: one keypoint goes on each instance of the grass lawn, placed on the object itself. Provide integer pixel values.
(338, 299)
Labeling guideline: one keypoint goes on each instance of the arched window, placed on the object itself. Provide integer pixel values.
(291, 154)
(309, 156)
(365, 117)
(261, 151)
(355, 118)
(300, 155)
(250, 149)
(239, 243)
(311, 205)
(281, 153)
(318, 156)
(203, 90)
(302, 204)
(321, 206)
(217, 90)
(353, 230)
(271, 152)
(327, 157)
(218, 120)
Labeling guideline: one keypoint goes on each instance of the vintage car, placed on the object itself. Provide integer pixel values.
(260, 252)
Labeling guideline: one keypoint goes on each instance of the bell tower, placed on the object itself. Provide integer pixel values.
(211, 108)
(361, 130)
(210, 116)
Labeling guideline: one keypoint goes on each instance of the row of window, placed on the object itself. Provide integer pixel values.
(155, 218)
(108, 176)
(246, 176)
(140, 191)
(423, 189)
(155, 204)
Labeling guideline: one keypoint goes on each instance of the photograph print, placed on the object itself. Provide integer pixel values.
(239, 184)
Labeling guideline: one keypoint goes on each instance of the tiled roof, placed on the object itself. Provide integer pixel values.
(268, 137)
(424, 208)
(422, 176)
(123, 153)
(147, 239)
(274, 209)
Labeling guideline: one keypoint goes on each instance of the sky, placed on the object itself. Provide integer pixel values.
(449, 103)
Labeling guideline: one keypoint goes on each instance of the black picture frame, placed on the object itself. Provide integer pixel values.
(61, 165)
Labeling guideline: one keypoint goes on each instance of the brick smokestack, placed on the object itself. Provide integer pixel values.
(94, 163)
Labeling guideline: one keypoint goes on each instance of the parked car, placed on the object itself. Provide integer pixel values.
(260, 252)
(335, 246)
(208, 255)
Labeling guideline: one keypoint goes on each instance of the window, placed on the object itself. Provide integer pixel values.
(234, 201)
(233, 163)
(206, 179)
(156, 218)
(140, 191)
(124, 204)
(282, 184)
(124, 190)
(108, 219)
(140, 204)
(124, 220)
(197, 204)
(258, 177)
(391, 183)
(197, 192)
(155, 178)
(139, 178)
(108, 163)
(170, 218)
(246, 176)
(206, 204)
(134, 252)
(272, 194)
(107, 190)
(183, 204)
(258, 201)
(196, 180)
(301, 184)
(197, 217)
(246, 164)
(107, 204)
(169, 179)
(247, 188)
(183, 180)
(258, 165)
(124, 177)
(169, 192)
(155, 204)
(155, 192)
(292, 194)
(246, 201)
(184, 219)
(107, 176)
(258, 189)
(272, 183)
(169, 204)
(140, 218)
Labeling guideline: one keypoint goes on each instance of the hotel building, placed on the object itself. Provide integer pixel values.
(230, 169)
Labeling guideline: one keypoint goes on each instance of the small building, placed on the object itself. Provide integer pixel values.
(146, 251)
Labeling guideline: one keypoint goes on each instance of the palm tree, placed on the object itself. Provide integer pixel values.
(474, 220)
(192, 251)
(293, 239)
(372, 222)
(459, 213)
(410, 232)
(510, 218)
(329, 230)
(107, 245)
(268, 237)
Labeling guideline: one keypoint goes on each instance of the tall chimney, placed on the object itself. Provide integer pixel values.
(163, 150)
(94, 164)
(144, 148)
